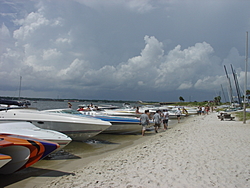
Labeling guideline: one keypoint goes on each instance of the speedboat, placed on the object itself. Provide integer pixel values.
(28, 129)
(4, 159)
(9, 103)
(129, 112)
(76, 127)
(119, 124)
(99, 106)
(24, 151)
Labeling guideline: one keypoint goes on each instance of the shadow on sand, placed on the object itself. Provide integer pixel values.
(9, 179)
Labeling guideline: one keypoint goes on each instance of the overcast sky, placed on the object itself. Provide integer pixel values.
(149, 50)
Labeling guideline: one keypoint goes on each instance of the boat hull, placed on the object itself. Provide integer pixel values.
(121, 128)
(76, 131)
(24, 151)
(28, 129)
(78, 128)
(119, 124)
(4, 159)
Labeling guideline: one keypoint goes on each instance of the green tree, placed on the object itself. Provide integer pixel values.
(181, 99)
(248, 92)
(217, 100)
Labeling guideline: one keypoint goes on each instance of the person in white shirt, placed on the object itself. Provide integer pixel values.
(178, 113)
(165, 119)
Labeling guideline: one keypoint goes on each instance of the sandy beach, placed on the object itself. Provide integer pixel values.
(201, 152)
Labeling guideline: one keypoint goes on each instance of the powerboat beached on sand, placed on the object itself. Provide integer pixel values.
(28, 129)
(119, 124)
(19, 152)
(76, 127)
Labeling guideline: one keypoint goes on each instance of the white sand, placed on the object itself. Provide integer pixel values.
(202, 152)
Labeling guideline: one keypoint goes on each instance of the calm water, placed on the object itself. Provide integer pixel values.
(45, 105)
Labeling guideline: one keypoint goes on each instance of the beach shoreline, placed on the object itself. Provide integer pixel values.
(186, 155)
(47, 170)
(202, 152)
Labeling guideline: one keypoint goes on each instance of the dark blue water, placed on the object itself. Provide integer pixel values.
(45, 105)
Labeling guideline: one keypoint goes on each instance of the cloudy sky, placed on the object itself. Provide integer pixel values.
(149, 50)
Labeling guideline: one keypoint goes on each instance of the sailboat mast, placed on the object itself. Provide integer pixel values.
(230, 87)
(245, 85)
(236, 84)
(20, 85)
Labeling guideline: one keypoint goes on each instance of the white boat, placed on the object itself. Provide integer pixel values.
(121, 112)
(78, 128)
(129, 111)
(28, 129)
(119, 124)
(99, 106)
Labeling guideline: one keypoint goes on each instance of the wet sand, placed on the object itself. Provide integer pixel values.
(74, 157)
(202, 152)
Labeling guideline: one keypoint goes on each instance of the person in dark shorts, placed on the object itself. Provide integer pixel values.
(165, 119)
(178, 114)
(157, 120)
(144, 121)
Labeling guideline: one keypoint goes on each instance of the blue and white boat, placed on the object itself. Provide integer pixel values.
(119, 124)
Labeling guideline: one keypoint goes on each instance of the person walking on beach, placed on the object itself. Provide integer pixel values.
(165, 119)
(199, 110)
(207, 109)
(157, 120)
(144, 121)
(203, 110)
(178, 114)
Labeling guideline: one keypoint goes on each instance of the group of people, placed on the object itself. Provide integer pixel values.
(88, 108)
(202, 110)
(158, 118)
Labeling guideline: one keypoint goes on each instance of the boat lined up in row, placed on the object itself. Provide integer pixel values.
(28, 135)
(77, 128)
(119, 124)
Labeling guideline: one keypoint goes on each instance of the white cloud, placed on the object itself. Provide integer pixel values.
(74, 71)
(63, 40)
(99, 46)
(185, 85)
(209, 82)
(4, 31)
(29, 25)
(140, 6)
(51, 54)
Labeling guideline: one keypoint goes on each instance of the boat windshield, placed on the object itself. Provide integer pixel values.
(71, 112)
